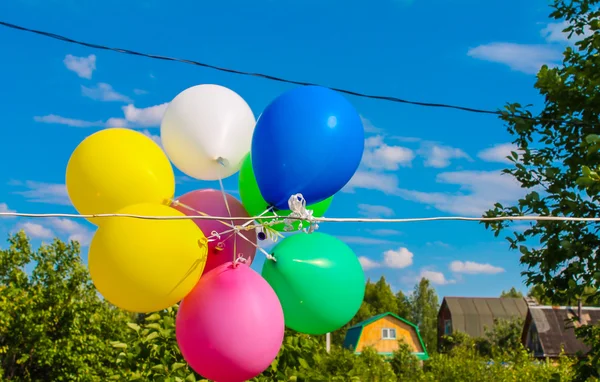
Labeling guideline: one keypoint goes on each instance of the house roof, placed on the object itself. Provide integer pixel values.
(354, 333)
(471, 315)
(555, 330)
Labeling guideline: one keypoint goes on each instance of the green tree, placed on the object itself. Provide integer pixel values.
(380, 297)
(588, 297)
(513, 292)
(550, 158)
(53, 325)
(403, 303)
(405, 365)
(557, 151)
(425, 306)
(504, 337)
(150, 352)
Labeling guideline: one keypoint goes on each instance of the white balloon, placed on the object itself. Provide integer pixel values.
(206, 131)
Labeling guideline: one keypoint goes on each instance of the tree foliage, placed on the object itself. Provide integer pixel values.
(53, 325)
(550, 159)
(150, 353)
(557, 160)
(512, 292)
(425, 306)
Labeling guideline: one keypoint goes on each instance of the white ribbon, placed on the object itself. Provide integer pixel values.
(297, 204)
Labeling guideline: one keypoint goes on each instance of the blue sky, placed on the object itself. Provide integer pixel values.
(419, 162)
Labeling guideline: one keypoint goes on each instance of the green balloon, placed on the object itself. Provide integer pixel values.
(319, 281)
(255, 204)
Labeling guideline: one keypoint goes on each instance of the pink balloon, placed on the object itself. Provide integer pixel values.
(230, 326)
(211, 202)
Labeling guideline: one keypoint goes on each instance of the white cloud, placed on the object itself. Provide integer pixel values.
(384, 232)
(498, 153)
(398, 259)
(74, 231)
(4, 208)
(140, 91)
(386, 183)
(35, 231)
(55, 227)
(145, 117)
(380, 156)
(473, 268)
(478, 191)
(519, 57)
(553, 32)
(367, 263)
(438, 244)
(58, 120)
(406, 139)
(369, 127)
(154, 137)
(363, 240)
(394, 259)
(436, 278)
(83, 66)
(104, 92)
(40, 192)
(133, 118)
(374, 211)
(439, 156)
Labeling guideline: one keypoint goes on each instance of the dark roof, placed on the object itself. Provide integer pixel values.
(471, 315)
(555, 330)
(353, 334)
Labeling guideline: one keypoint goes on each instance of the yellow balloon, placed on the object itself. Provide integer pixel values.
(117, 167)
(143, 265)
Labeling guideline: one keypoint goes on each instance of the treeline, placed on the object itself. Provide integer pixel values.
(55, 327)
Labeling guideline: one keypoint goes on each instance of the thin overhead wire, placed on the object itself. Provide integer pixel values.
(289, 81)
(316, 220)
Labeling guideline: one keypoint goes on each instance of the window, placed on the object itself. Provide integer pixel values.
(447, 327)
(388, 334)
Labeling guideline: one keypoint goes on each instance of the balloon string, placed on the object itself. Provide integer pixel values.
(222, 162)
(194, 266)
(267, 254)
(178, 203)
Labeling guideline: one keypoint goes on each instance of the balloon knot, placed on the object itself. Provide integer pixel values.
(222, 161)
(239, 260)
(270, 257)
(297, 204)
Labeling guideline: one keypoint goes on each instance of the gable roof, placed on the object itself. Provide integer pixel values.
(555, 330)
(380, 316)
(471, 315)
(354, 333)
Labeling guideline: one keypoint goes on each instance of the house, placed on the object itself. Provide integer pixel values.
(383, 333)
(549, 329)
(472, 315)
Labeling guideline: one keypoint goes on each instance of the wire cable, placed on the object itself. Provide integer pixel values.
(316, 220)
(288, 81)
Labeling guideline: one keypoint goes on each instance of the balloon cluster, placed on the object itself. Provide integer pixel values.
(304, 148)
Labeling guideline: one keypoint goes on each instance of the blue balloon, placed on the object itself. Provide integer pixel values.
(309, 140)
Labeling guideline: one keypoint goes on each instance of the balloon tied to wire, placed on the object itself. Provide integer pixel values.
(206, 251)
(297, 205)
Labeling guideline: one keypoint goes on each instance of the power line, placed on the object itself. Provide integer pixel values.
(283, 80)
(314, 220)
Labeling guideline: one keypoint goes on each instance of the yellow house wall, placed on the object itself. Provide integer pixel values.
(371, 336)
